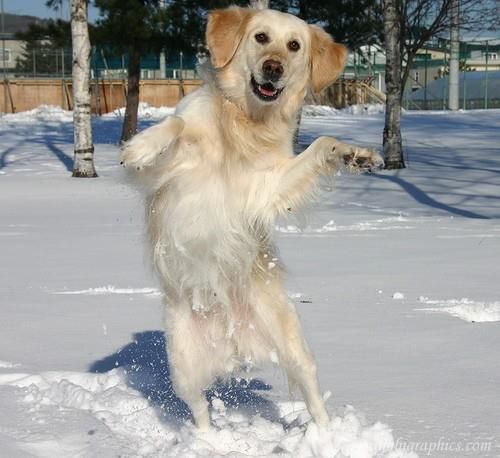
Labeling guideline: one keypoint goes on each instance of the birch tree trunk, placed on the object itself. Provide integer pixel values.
(393, 147)
(134, 75)
(83, 165)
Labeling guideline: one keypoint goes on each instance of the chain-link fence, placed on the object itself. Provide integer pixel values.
(479, 79)
(56, 63)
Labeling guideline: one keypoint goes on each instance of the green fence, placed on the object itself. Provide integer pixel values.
(56, 63)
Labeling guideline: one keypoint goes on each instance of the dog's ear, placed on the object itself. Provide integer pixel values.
(327, 59)
(225, 29)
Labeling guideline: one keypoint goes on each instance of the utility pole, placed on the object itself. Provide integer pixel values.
(487, 55)
(3, 61)
(62, 50)
(163, 60)
(453, 97)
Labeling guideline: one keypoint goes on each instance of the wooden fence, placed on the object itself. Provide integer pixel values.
(348, 91)
(108, 95)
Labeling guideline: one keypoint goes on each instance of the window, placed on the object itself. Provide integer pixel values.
(7, 56)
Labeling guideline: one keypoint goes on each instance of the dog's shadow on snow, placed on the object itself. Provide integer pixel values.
(145, 363)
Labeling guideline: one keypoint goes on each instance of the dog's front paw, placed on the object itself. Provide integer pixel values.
(326, 150)
(359, 160)
(145, 148)
(140, 152)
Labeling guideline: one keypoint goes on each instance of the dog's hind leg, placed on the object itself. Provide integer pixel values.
(300, 366)
(189, 366)
(283, 329)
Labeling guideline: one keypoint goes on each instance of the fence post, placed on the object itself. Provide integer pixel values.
(445, 96)
(62, 62)
(425, 82)
(12, 106)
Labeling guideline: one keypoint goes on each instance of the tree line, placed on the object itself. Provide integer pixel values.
(140, 27)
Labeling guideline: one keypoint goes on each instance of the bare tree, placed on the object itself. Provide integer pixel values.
(129, 128)
(409, 25)
(393, 147)
(83, 165)
(422, 20)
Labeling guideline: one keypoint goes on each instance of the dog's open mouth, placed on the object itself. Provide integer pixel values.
(267, 92)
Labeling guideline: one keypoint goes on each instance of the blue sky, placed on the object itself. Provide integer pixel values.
(38, 8)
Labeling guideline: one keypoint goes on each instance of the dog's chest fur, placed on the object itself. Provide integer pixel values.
(208, 224)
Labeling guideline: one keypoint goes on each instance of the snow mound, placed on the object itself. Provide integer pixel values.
(398, 296)
(318, 110)
(382, 224)
(360, 109)
(136, 425)
(52, 113)
(145, 111)
(371, 108)
(7, 365)
(110, 289)
(465, 309)
(43, 113)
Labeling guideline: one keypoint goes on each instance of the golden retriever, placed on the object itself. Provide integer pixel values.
(216, 175)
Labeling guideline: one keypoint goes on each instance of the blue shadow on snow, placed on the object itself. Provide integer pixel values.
(146, 365)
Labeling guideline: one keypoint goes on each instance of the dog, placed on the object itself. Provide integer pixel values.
(217, 174)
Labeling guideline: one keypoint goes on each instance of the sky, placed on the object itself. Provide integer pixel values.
(38, 8)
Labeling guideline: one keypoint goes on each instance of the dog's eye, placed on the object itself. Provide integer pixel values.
(261, 38)
(293, 45)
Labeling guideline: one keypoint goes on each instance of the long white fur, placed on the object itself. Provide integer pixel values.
(216, 176)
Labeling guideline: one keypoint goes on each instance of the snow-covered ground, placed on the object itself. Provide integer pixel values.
(395, 276)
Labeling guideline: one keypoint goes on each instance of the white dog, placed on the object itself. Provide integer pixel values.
(217, 174)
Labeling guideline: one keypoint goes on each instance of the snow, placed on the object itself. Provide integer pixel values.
(380, 224)
(83, 368)
(110, 289)
(465, 309)
(144, 111)
(322, 110)
(135, 424)
(43, 113)
(7, 365)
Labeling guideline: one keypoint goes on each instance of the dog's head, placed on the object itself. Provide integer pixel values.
(262, 54)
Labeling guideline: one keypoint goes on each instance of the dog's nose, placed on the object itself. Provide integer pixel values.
(272, 70)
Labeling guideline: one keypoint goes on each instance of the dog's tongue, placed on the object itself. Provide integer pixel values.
(268, 90)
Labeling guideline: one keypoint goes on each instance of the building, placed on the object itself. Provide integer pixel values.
(11, 49)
